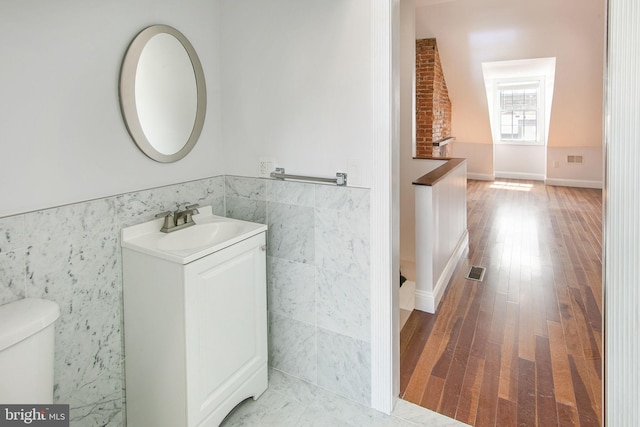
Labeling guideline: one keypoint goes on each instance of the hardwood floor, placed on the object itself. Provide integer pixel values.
(524, 346)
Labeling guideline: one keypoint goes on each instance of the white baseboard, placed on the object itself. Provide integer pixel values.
(480, 176)
(560, 182)
(428, 301)
(573, 183)
(520, 175)
(425, 301)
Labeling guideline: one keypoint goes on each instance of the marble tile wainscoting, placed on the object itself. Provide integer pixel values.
(318, 278)
(318, 264)
(71, 255)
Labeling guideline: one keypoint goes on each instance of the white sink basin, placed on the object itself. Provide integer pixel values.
(199, 235)
(210, 234)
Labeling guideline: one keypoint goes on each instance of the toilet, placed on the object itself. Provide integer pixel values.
(26, 351)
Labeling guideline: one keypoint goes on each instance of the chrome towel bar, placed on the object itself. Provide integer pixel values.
(340, 179)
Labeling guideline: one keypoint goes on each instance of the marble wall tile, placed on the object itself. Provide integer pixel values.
(292, 347)
(11, 233)
(249, 188)
(292, 193)
(246, 209)
(85, 281)
(245, 199)
(291, 232)
(77, 224)
(338, 228)
(12, 250)
(203, 192)
(342, 241)
(343, 198)
(291, 289)
(13, 284)
(343, 304)
(71, 255)
(344, 366)
(140, 206)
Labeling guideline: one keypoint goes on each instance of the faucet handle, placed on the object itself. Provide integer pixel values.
(168, 220)
(193, 208)
(164, 214)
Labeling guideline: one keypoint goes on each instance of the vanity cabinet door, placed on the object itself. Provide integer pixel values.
(226, 325)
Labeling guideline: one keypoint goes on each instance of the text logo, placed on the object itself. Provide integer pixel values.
(34, 415)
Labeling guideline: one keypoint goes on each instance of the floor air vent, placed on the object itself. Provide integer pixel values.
(476, 273)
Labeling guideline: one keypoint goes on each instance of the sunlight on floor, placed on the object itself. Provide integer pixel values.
(512, 186)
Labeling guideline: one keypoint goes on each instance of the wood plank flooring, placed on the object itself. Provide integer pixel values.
(524, 346)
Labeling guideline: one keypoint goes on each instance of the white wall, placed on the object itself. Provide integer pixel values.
(470, 32)
(519, 161)
(288, 79)
(309, 84)
(297, 86)
(588, 174)
(479, 159)
(61, 130)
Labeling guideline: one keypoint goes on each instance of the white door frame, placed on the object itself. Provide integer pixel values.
(385, 207)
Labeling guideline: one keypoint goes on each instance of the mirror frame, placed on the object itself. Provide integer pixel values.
(128, 93)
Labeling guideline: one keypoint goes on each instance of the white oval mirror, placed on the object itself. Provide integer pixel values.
(163, 93)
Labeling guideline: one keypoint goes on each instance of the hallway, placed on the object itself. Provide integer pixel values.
(524, 346)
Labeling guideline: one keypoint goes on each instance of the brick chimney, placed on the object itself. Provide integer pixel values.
(433, 107)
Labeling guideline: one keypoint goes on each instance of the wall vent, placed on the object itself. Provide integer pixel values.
(574, 159)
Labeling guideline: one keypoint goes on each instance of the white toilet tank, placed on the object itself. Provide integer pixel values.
(26, 351)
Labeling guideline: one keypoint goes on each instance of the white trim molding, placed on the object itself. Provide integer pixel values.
(428, 300)
(481, 176)
(621, 212)
(385, 207)
(519, 175)
(558, 182)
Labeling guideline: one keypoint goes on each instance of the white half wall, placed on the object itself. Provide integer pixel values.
(410, 170)
(63, 137)
(441, 235)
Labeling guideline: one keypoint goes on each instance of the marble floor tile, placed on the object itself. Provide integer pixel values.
(292, 402)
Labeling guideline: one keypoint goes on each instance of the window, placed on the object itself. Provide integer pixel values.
(520, 112)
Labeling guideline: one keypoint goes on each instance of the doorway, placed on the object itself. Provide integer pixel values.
(581, 137)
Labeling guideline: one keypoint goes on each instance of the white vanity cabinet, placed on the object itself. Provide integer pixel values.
(195, 334)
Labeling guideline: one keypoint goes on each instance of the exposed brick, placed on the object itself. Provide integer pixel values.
(433, 107)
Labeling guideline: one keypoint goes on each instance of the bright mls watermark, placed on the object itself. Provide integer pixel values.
(34, 415)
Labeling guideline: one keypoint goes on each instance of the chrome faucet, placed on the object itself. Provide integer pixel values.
(178, 219)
